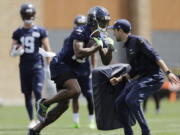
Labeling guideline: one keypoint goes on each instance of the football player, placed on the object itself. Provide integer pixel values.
(85, 83)
(83, 41)
(26, 41)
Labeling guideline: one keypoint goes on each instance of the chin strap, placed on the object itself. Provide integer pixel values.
(99, 29)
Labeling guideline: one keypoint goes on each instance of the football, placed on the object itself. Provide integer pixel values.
(17, 50)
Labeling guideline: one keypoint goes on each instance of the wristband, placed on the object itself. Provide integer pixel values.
(168, 72)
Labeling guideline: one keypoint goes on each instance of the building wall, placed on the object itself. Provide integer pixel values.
(166, 30)
(60, 13)
(165, 15)
(167, 44)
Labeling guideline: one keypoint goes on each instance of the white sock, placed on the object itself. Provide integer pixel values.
(91, 117)
(76, 117)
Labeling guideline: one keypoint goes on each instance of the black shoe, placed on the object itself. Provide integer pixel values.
(32, 132)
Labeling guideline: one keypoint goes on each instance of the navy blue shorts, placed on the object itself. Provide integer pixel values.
(61, 72)
(31, 80)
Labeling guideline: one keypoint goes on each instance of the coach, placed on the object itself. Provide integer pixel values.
(145, 75)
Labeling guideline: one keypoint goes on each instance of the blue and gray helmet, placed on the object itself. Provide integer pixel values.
(27, 11)
(98, 17)
(80, 20)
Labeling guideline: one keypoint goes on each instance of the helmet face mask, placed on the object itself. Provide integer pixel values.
(98, 18)
(103, 22)
(27, 13)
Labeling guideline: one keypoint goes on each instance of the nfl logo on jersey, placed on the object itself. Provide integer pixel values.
(36, 34)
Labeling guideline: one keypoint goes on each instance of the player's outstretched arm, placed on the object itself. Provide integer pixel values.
(81, 52)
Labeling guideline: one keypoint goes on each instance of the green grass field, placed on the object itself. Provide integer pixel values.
(13, 121)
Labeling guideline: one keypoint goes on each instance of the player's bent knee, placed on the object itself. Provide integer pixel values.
(76, 92)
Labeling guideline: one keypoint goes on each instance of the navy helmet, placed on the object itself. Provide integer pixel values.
(80, 20)
(98, 16)
(27, 11)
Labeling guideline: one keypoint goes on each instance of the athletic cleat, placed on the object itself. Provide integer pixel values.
(32, 132)
(41, 110)
(92, 124)
(76, 125)
(33, 123)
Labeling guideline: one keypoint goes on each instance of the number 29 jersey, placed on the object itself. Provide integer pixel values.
(31, 39)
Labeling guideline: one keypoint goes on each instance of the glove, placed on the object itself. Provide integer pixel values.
(99, 42)
(110, 43)
(45, 53)
(17, 50)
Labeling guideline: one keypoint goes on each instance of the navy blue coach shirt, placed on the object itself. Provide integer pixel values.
(142, 57)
